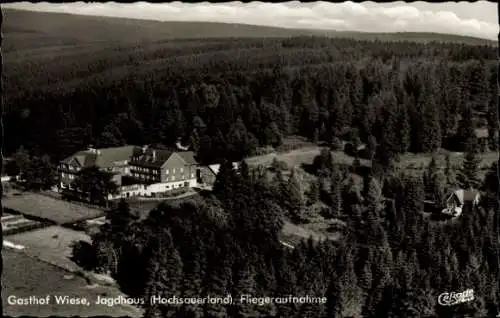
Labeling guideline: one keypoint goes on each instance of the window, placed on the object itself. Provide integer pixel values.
(173, 178)
(192, 174)
(182, 169)
(166, 171)
(173, 170)
(63, 174)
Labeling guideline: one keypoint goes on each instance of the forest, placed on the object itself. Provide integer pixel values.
(227, 98)
(391, 260)
(230, 98)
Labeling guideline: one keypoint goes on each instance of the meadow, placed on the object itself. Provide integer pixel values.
(20, 271)
(43, 207)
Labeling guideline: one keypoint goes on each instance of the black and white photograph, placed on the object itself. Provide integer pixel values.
(245, 160)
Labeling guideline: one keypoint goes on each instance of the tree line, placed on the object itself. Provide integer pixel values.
(391, 260)
(239, 95)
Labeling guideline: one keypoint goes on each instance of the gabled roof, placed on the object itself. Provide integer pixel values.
(104, 157)
(152, 158)
(188, 157)
(466, 195)
(216, 167)
(155, 158)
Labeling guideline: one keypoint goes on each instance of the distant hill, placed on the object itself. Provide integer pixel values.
(27, 30)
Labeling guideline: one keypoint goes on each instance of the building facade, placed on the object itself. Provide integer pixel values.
(115, 160)
(138, 171)
(162, 170)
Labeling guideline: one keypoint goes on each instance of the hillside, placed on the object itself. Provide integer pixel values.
(27, 30)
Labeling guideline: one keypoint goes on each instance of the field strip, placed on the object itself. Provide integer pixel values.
(13, 245)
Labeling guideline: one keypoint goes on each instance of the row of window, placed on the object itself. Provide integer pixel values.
(69, 167)
(156, 171)
(69, 175)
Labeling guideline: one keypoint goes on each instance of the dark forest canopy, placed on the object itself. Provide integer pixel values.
(235, 95)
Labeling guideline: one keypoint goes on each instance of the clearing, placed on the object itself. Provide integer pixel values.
(318, 227)
(48, 208)
(25, 276)
(52, 245)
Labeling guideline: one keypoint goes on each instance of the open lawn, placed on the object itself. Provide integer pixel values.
(25, 276)
(305, 155)
(415, 161)
(298, 157)
(48, 208)
(142, 207)
(52, 245)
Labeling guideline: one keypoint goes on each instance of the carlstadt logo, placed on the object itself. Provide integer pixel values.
(450, 299)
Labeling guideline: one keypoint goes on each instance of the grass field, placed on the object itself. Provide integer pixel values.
(143, 207)
(51, 244)
(305, 155)
(25, 276)
(317, 227)
(48, 208)
(456, 158)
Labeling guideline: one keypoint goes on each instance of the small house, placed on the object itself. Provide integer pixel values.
(459, 199)
(206, 175)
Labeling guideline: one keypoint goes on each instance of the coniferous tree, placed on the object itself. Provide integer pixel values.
(191, 288)
(468, 176)
(295, 198)
(165, 273)
(430, 133)
(373, 198)
(323, 163)
(433, 182)
(449, 173)
(404, 129)
(491, 183)
(336, 188)
(21, 161)
(245, 285)
(39, 174)
(218, 282)
(413, 206)
(314, 191)
(95, 184)
(224, 180)
(466, 130)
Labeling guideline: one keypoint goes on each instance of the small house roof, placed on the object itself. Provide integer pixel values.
(466, 195)
(216, 167)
